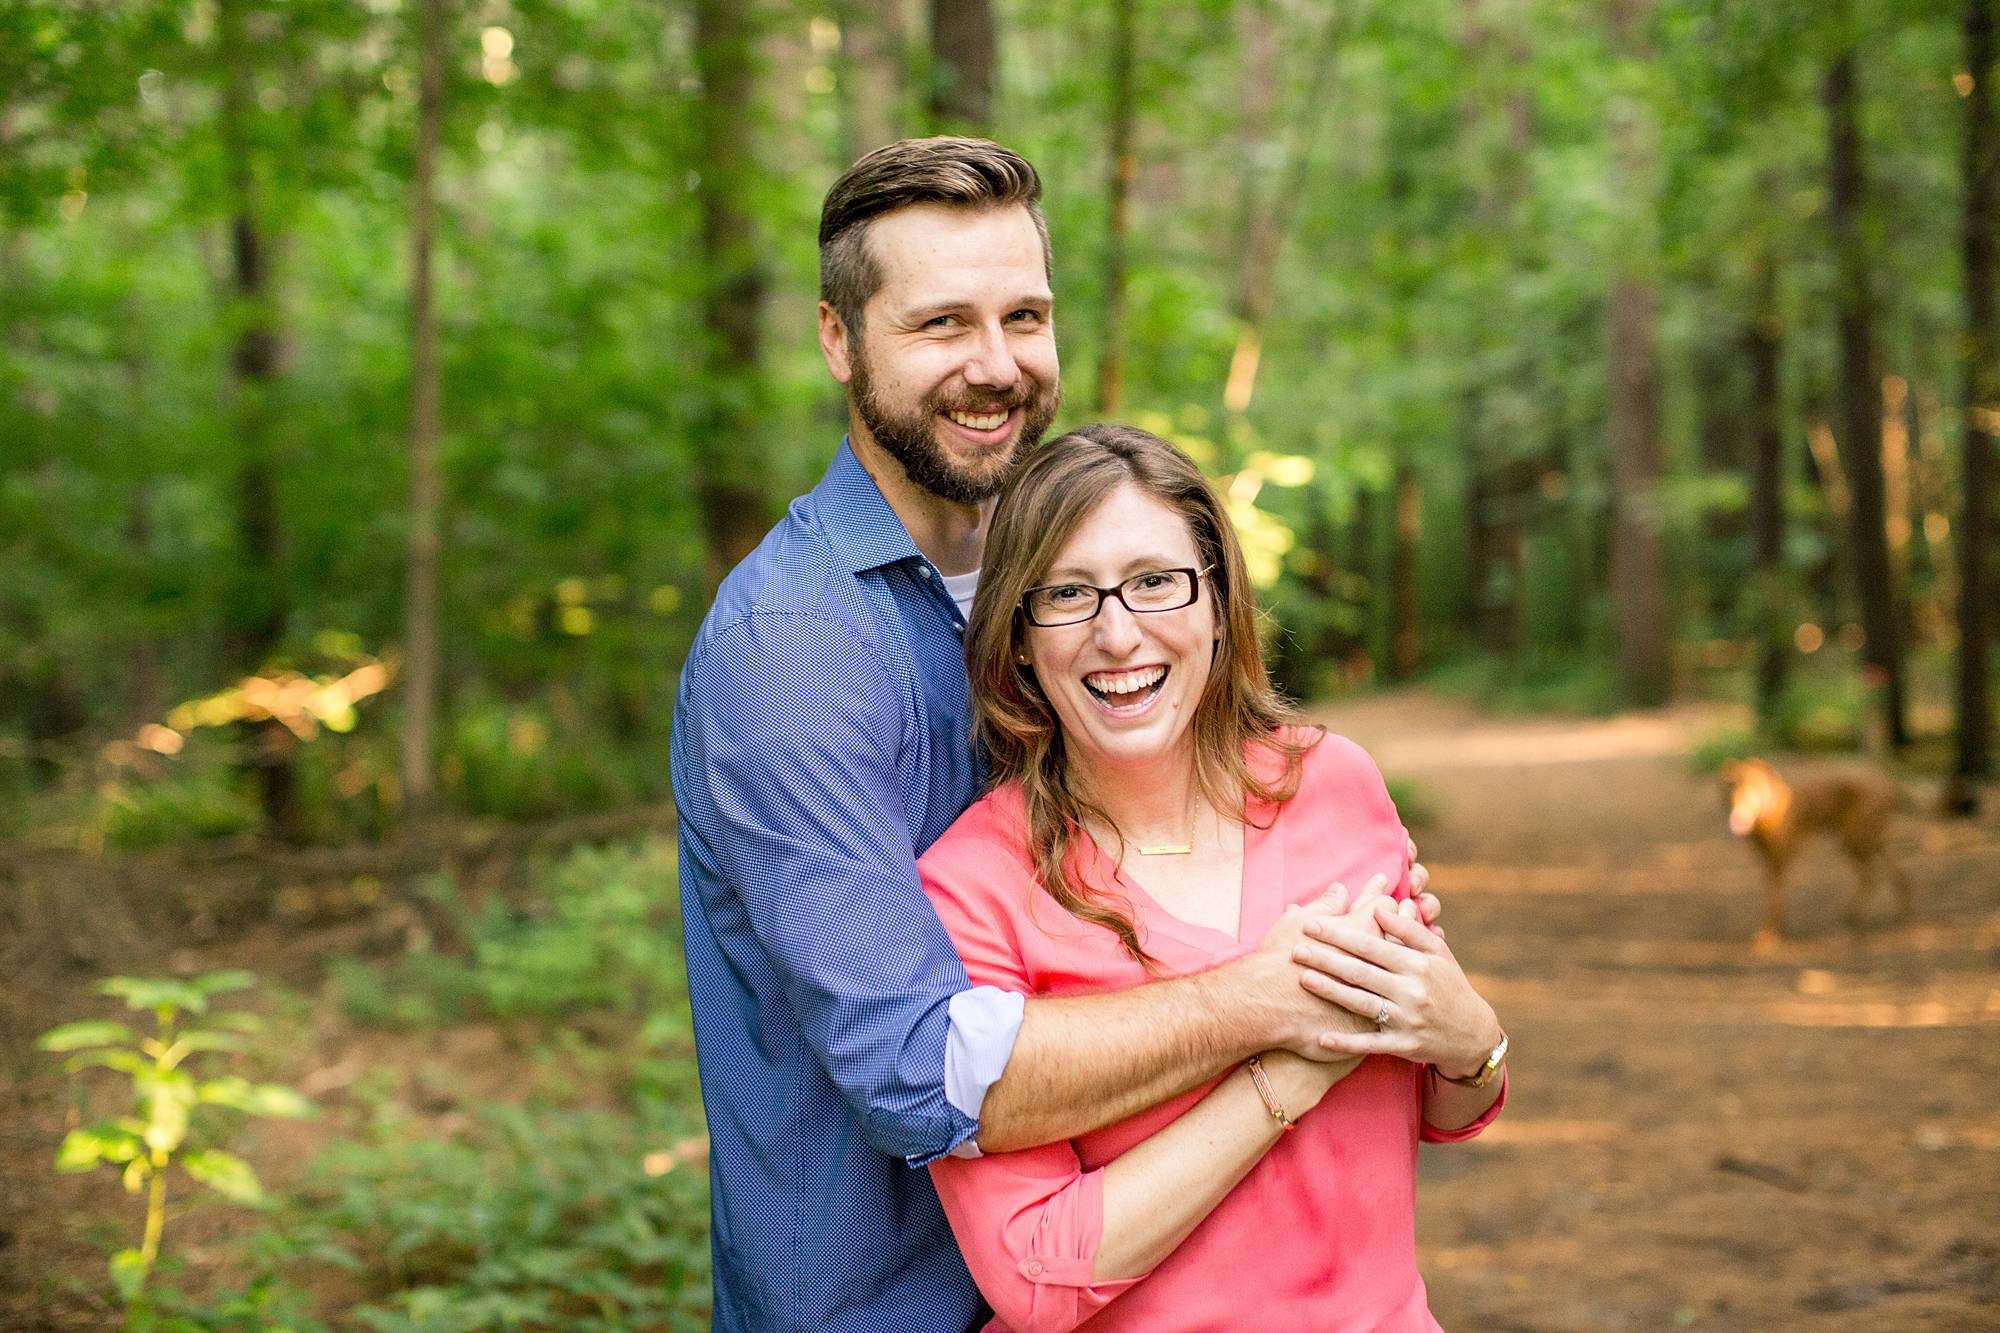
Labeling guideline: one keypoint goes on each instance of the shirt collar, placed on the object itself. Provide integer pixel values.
(861, 530)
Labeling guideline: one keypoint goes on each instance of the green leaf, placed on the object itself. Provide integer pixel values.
(215, 983)
(156, 993)
(237, 1021)
(84, 1148)
(225, 1173)
(129, 1062)
(128, 1274)
(76, 1036)
(201, 1039)
(273, 1099)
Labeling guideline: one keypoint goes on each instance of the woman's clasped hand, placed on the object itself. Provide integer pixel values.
(1382, 963)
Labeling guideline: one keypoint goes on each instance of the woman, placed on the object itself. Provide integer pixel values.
(1154, 809)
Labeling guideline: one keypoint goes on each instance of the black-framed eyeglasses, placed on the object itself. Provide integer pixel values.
(1055, 604)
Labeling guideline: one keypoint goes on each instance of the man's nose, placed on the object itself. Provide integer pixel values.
(992, 365)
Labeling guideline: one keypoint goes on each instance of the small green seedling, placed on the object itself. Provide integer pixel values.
(165, 1098)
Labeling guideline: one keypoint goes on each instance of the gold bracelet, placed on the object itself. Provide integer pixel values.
(1271, 1103)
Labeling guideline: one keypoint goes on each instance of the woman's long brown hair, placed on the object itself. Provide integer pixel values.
(1059, 486)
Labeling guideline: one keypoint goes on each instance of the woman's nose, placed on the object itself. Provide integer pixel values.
(1116, 628)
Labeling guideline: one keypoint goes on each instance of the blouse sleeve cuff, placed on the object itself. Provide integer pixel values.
(1432, 1134)
(1064, 1250)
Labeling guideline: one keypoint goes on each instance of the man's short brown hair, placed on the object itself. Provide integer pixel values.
(960, 173)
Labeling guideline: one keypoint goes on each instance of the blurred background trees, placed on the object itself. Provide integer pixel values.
(1581, 353)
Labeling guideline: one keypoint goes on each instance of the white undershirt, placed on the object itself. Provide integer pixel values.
(960, 587)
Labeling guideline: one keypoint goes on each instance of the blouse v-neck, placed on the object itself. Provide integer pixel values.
(1258, 845)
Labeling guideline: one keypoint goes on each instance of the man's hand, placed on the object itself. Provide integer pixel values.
(1290, 1016)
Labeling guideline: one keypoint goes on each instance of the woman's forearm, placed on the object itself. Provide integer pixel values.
(1159, 1190)
(1450, 1106)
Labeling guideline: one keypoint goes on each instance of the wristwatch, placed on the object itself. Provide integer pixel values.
(1485, 1074)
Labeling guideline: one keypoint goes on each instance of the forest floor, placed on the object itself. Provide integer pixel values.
(1697, 1136)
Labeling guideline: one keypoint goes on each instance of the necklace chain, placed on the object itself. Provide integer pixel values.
(1175, 848)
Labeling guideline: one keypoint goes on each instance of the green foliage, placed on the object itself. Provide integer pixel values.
(189, 805)
(1415, 803)
(522, 761)
(1558, 684)
(165, 1095)
(545, 1219)
(545, 1216)
(1717, 748)
(603, 935)
(1822, 710)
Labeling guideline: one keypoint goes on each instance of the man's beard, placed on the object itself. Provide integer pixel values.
(910, 438)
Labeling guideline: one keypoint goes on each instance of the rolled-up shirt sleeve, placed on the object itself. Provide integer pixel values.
(984, 1023)
(801, 774)
(1029, 1224)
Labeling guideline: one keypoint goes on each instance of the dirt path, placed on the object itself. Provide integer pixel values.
(1699, 1137)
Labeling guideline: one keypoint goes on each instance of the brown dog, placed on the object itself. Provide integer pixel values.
(1777, 818)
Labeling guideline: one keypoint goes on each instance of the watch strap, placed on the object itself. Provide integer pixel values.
(1484, 1075)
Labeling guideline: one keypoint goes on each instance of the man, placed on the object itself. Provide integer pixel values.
(822, 741)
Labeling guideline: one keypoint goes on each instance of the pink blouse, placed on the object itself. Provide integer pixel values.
(1322, 1233)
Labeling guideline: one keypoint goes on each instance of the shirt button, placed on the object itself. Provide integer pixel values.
(925, 570)
(1034, 1268)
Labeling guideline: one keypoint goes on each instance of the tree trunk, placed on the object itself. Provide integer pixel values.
(728, 449)
(1405, 639)
(1638, 566)
(420, 611)
(1124, 168)
(1764, 350)
(1972, 756)
(1859, 429)
(1269, 222)
(964, 57)
(1720, 416)
(1641, 609)
(871, 73)
(258, 604)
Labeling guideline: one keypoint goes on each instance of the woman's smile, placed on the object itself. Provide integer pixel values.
(1126, 693)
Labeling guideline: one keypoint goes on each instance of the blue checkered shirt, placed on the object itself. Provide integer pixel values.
(821, 743)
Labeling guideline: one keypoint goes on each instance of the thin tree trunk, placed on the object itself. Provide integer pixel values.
(1859, 433)
(1972, 756)
(1405, 639)
(1764, 350)
(964, 57)
(420, 611)
(1640, 607)
(258, 603)
(1124, 168)
(871, 74)
(1495, 531)
(1270, 222)
(728, 450)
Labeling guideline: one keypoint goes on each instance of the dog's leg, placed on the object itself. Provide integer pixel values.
(1902, 883)
(1864, 887)
(1773, 929)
